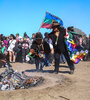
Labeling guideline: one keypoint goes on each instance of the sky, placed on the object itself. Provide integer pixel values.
(19, 16)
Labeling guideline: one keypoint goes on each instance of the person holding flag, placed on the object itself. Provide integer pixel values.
(63, 42)
(57, 36)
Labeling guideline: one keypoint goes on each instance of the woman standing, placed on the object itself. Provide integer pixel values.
(25, 46)
(10, 48)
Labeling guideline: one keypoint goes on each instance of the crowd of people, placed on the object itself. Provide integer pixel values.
(41, 51)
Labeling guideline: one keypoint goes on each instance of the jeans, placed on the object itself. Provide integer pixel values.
(24, 53)
(62, 58)
(42, 62)
(39, 61)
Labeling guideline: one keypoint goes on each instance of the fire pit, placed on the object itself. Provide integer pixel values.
(11, 80)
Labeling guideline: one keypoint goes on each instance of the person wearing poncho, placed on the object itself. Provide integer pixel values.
(57, 36)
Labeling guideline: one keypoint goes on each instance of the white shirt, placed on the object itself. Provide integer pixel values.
(11, 45)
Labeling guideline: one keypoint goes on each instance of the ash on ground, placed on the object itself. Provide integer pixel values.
(11, 80)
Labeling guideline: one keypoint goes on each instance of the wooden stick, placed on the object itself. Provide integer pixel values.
(42, 21)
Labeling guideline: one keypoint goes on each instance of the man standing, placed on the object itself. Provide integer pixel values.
(57, 36)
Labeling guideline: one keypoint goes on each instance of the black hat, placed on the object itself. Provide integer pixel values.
(38, 35)
(46, 33)
(12, 36)
(70, 28)
(55, 24)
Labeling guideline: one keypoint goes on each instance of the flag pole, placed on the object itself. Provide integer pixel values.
(42, 21)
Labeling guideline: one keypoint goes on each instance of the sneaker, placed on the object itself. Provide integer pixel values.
(48, 65)
(71, 71)
(13, 61)
(10, 61)
(55, 72)
(41, 70)
(37, 70)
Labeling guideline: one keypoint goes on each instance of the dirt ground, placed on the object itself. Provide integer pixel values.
(62, 86)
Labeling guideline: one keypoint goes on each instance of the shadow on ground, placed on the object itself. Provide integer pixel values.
(50, 71)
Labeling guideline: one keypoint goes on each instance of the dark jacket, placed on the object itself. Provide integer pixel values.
(45, 45)
(60, 47)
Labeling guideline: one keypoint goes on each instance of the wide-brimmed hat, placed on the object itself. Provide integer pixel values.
(38, 35)
(55, 24)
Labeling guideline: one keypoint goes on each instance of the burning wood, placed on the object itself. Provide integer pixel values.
(11, 80)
